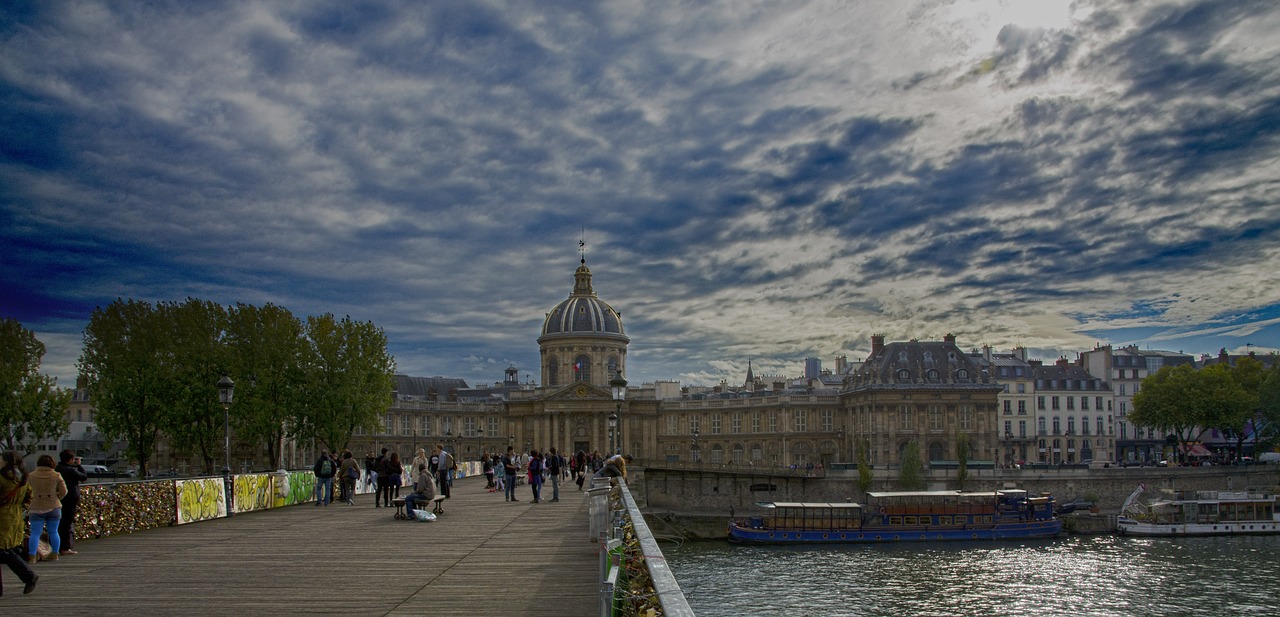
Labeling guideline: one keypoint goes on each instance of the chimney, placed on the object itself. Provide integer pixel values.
(1063, 362)
(877, 343)
(949, 338)
(986, 353)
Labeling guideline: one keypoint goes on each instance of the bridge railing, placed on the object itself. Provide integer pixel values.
(629, 554)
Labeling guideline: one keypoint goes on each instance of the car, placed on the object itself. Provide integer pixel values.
(102, 471)
(1162, 463)
(1075, 504)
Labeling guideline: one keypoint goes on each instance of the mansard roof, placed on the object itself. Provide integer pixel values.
(919, 365)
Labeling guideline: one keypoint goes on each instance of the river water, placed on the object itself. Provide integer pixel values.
(1095, 575)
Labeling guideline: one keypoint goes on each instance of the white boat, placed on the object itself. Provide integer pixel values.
(1206, 513)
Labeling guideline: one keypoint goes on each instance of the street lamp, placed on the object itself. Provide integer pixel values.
(613, 432)
(619, 387)
(840, 448)
(226, 390)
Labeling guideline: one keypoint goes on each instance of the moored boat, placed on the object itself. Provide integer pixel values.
(1204, 513)
(915, 516)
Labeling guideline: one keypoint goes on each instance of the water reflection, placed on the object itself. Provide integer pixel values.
(1081, 576)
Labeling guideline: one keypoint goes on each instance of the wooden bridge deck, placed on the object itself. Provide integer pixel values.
(484, 556)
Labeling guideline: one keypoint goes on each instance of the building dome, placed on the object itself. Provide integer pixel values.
(583, 313)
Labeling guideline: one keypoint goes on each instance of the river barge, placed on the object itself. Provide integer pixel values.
(915, 516)
(1204, 513)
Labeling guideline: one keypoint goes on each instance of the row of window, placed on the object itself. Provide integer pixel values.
(426, 426)
(1055, 403)
(715, 422)
(580, 369)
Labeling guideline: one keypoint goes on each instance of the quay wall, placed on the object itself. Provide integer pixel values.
(699, 503)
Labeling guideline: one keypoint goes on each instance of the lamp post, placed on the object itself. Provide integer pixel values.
(840, 448)
(697, 454)
(613, 432)
(619, 387)
(226, 390)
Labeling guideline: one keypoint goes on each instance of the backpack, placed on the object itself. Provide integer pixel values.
(326, 468)
(353, 473)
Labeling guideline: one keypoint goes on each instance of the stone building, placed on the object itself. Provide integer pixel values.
(1075, 415)
(927, 392)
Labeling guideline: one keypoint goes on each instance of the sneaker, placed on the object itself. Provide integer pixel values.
(52, 557)
(556, 499)
(30, 587)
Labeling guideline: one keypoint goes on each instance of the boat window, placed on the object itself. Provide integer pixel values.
(895, 520)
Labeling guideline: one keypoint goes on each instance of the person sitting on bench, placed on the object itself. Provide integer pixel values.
(424, 490)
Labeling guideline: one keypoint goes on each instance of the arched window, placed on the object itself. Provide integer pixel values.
(904, 375)
(932, 374)
(936, 451)
(582, 368)
(553, 371)
(737, 454)
(962, 375)
(613, 366)
(717, 454)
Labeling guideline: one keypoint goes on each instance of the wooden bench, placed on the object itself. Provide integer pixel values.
(437, 506)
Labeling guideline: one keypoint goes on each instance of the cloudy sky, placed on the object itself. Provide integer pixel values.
(766, 180)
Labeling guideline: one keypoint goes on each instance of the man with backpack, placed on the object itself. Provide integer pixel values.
(554, 465)
(324, 469)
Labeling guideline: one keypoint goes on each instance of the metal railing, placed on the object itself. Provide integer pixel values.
(614, 555)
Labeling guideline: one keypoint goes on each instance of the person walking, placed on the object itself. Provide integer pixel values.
(395, 479)
(45, 511)
(424, 490)
(580, 468)
(324, 470)
(348, 473)
(511, 466)
(554, 465)
(73, 473)
(444, 469)
(535, 475)
(15, 492)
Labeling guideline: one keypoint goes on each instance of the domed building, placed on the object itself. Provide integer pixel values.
(582, 338)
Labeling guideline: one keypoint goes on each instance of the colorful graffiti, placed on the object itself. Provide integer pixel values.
(253, 492)
(301, 488)
(201, 499)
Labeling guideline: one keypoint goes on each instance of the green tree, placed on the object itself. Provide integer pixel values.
(1231, 397)
(962, 459)
(196, 358)
(1168, 402)
(267, 347)
(123, 352)
(32, 406)
(349, 377)
(911, 468)
(1267, 423)
(865, 475)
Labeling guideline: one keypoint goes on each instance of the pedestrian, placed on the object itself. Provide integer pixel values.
(444, 469)
(73, 474)
(348, 473)
(581, 467)
(419, 458)
(535, 475)
(499, 474)
(511, 466)
(424, 490)
(15, 493)
(324, 470)
(370, 469)
(553, 469)
(395, 478)
(380, 478)
(614, 467)
(45, 510)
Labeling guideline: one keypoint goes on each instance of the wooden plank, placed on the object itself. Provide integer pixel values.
(484, 556)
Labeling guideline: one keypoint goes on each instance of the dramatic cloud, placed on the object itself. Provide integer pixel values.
(767, 181)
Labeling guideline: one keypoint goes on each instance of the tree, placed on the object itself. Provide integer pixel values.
(865, 476)
(911, 470)
(266, 352)
(196, 357)
(122, 361)
(1267, 423)
(1233, 397)
(1170, 402)
(32, 406)
(349, 378)
(962, 459)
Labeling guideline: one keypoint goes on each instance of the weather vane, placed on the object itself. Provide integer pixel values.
(582, 246)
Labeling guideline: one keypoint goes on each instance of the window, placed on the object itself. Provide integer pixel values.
(737, 454)
(694, 424)
(426, 426)
(715, 424)
(553, 371)
(904, 375)
(1084, 425)
(1040, 403)
(1057, 426)
(931, 374)
(1008, 407)
(737, 423)
(1022, 387)
(935, 417)
(389, 428)
(1022, 428)
(613, 367)
(582, 368)
(962, 375)
(1022, 408)
(1097, 403)
(1071, 403)
(493, 426)
(773, 421)
(1123, 389)
(802, 420)
(1099, 425)
(1008, 427)
(1055, 403)
(671, 424)
(905, 420)
(1040, 421)
(1071, 425)
(469, 427)
(827, 420)
(755, 422)
(717, 455)
(406, 425)
(1084, 403)
(966, 417)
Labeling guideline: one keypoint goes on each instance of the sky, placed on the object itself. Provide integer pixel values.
(753, 181)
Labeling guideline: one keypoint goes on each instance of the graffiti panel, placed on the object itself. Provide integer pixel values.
(300, 488)
(201, 499)
(253, 492)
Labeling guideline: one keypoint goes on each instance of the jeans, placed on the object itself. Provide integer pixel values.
(45, 521)
(536, 485)
(66, 528)
(442, 480)
(16, 559)
(409, 500)
(511, 487)
(324, 491)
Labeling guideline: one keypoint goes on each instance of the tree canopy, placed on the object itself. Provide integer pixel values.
(32, 406)
(1183, 401)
